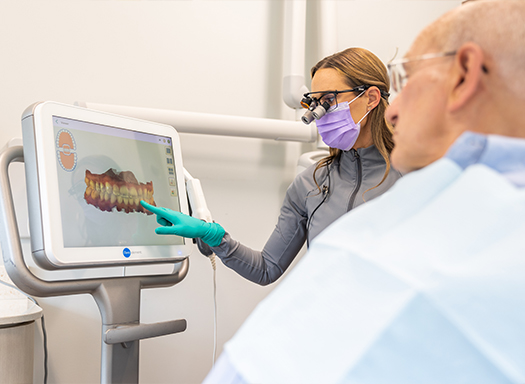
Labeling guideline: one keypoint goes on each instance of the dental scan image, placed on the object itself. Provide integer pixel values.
(117, 190)
(103, 174)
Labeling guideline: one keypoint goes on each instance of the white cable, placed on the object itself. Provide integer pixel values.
(200, 211)
(214, 267)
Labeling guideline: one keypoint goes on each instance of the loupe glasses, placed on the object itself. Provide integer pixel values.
(318, 103)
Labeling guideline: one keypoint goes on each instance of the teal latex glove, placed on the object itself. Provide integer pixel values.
(176, 223)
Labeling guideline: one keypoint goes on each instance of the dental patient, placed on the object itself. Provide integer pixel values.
(425, 284)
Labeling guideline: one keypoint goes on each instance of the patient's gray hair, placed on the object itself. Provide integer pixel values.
(497, 26)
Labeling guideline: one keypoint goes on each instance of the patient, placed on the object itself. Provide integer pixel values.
(425, 284)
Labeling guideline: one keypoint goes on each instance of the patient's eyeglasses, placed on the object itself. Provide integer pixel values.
(397, 70)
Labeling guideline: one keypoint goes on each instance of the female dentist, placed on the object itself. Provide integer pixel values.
(349, 97)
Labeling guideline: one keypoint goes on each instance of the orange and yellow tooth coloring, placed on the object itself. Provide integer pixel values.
(117, 191)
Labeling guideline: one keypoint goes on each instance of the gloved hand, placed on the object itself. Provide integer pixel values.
(177, 223)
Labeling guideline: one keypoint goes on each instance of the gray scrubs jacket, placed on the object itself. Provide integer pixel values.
(306, 212)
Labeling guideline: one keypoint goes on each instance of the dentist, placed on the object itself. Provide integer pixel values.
(349, 98)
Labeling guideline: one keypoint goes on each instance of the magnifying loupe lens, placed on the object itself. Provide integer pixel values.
(308, 117)
(319, 112)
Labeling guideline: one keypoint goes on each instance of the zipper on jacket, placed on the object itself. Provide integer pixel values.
(359, 179)
(309, 221)
(325, 190)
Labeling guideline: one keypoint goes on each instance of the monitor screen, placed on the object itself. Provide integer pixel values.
(103, 173)
(86, 172)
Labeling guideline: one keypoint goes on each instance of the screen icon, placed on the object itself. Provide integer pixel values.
(66, 150)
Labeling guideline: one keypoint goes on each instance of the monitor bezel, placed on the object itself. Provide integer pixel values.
(51, 253)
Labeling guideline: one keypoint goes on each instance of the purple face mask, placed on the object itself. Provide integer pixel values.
(338, 129)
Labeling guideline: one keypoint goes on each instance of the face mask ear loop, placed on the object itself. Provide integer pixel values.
(366, 114)
(355, 98)
(350, 102)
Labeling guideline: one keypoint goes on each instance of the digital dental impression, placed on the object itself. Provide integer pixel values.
(120, 190)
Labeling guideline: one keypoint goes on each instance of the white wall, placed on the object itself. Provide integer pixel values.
(206, 56)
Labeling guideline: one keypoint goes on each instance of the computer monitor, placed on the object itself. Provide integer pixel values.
(86, 172)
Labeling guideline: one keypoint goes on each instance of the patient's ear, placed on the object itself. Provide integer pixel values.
(467, 73)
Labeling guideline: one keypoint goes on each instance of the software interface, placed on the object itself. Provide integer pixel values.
(103, 173)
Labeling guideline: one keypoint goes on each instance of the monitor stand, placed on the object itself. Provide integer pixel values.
(118, 298)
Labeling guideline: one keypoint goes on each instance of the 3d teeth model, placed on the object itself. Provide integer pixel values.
(119, 190)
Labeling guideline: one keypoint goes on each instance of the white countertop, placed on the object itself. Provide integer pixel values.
(14, 306)
(14, 311)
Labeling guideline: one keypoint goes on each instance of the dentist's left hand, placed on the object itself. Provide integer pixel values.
(177, 223)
